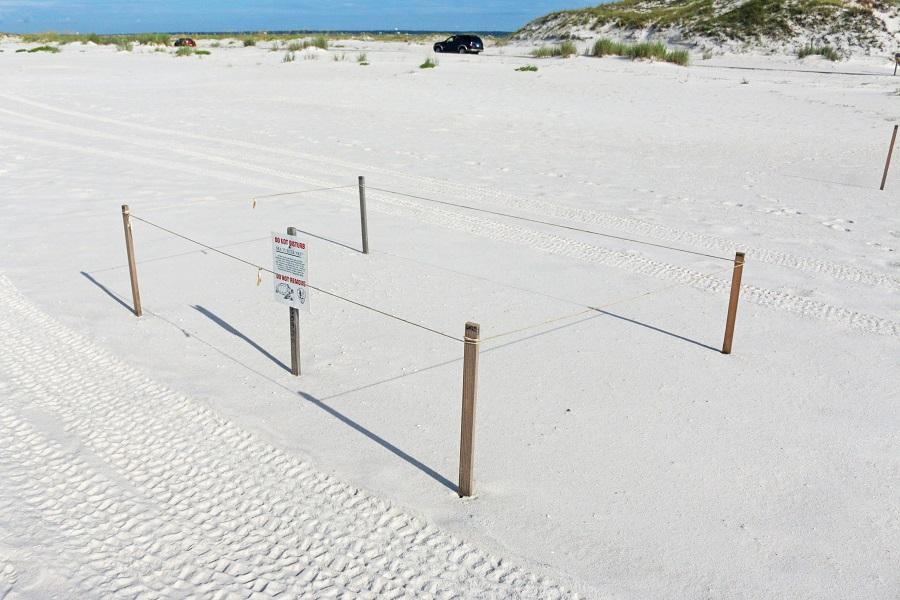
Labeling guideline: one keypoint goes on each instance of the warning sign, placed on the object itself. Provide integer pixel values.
(289, 257)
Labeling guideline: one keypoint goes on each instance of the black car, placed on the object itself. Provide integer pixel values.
(462, 44)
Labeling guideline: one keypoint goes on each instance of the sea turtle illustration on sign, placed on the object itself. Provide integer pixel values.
(285, 291)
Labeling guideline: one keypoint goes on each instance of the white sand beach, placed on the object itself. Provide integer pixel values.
(618, 453)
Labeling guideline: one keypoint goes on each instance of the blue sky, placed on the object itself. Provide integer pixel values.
(121, 16)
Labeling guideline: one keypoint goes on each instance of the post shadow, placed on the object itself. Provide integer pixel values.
(230, 329)
(379, 440)
(658, 330)
(108, 291)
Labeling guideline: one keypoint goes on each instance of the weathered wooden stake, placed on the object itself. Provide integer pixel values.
(132, 265)
(733, 301)
(363, 214)
(295, 329)
(469, 393)
(896, 62)
(887, 164)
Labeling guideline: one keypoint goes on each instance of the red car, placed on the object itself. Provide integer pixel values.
(186, 42)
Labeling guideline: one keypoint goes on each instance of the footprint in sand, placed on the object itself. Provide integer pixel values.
(880, 246)
(782, 211)
(838, 224)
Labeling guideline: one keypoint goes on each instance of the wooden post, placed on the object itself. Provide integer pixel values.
(733, 301)
(469, 393)
(132, 265)
(896, 62)
(363, 214)
(295, 329)
(887, 164)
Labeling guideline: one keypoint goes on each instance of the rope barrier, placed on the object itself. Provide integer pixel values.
(568, 227)
(322, 189)
(252, 199)
(600, 308)
(260, 268)
(587, 309)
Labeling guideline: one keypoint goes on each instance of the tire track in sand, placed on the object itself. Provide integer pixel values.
(167, 499)
(482, 194)
(536, 240)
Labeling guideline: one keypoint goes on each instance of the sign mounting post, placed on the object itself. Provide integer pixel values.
(290, 267)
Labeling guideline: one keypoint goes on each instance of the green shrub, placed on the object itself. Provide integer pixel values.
(199, 52)
(607, 47)
(656, 50)
(362, 59)
(320, 41)
(123, 45)
(50, 49)
(527, 69)
(678, 57)
(645, 50)
(249, 42)
(151, 39)
(295, 47)
(824, 51)
(184, 51)
(564, 50)
(428, 64)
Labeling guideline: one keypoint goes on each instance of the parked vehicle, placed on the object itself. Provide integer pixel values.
(185, 42)
(461, 44)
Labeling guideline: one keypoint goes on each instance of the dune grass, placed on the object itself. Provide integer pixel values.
(428, 64)
(562, 50)
(146, 39)
(527, 69)
(362, 59)
(248, 42)
(607, 47)
(826, 52)
(640, 51)
(49, 49)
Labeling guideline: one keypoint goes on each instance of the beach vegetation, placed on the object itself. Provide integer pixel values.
(52, 37)
(826, 52)
(607, 47)
(561, 50)
(642, 50)
(289, 57)
(249, 41)
(428, 64)
(184, 51)
(362, 59)
(49, 49)
(527, 69)
(747, 20)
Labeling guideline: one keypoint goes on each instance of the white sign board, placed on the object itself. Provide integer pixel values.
(289, 259)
